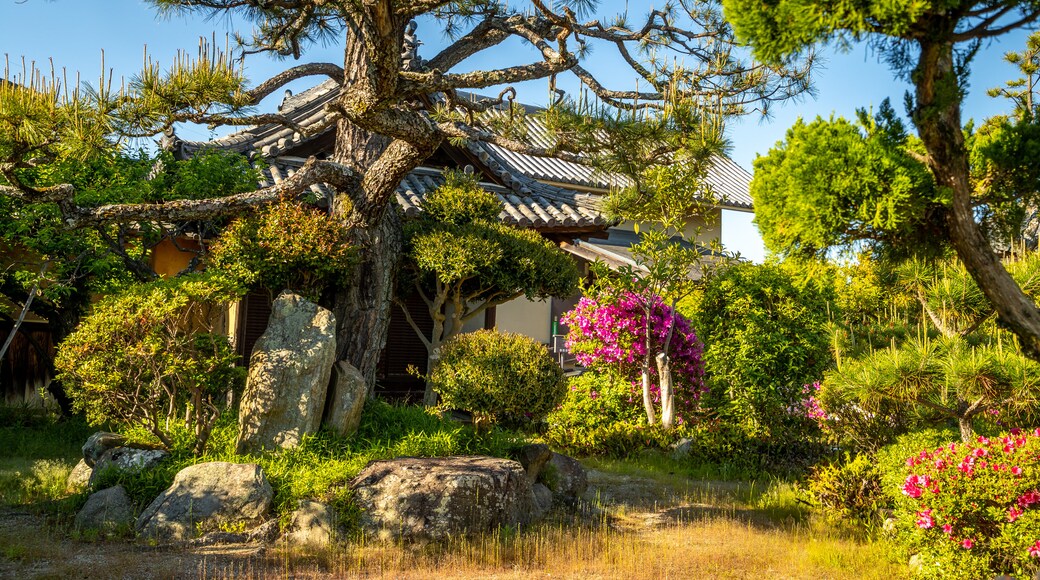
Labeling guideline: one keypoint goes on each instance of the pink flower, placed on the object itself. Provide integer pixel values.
(1014, 512)
(940, 464)
(1034, 550)
(967, 543)
(947, 529)
(1016, 470)
(925, 520)
(1028, 498)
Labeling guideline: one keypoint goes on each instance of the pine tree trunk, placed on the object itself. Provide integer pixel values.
(967, 433)
(362, 309)
(371, 68)
(938, 121)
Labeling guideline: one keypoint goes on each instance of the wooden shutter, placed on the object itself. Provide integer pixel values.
(404, 348)
(252, 322)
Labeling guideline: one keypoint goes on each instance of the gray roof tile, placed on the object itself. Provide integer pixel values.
(535, 212)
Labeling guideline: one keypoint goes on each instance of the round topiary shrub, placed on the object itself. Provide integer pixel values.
(504, 377)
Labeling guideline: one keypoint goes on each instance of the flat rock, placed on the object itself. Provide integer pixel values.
(206, 496)
(435, 498)
(98, 443)
(79, 478)
(312, 524)
(533, 457)
(566, 477)
(543, 500)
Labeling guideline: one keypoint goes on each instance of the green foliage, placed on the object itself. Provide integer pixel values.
(37, 452)
(459, 242)
(143, 356)
(939, 381)
(764, 339)
(848, 493)
(831, 183)
(601, 415)
(507, 377)
(460, 201)
(286, 245)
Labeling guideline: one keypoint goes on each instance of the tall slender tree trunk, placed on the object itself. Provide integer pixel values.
(664, 376)
(938, 120)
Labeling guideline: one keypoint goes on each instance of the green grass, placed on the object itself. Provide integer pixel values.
(37, 452)
(321, 467)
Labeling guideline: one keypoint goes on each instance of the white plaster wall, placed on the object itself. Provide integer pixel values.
(523, 316)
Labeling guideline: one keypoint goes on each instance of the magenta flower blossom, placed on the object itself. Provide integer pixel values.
(610, 333)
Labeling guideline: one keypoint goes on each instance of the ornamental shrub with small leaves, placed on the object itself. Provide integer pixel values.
(606, 334)
(284, 246)
(972, 510)
(508, 378)
(151, 355)
(601, 414)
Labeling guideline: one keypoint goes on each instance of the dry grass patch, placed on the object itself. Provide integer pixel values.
(712, 548)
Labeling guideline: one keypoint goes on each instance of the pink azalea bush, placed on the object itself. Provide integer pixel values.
(973, 509)
(608, 335)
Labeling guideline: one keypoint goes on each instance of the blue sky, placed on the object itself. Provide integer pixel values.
(74, 34)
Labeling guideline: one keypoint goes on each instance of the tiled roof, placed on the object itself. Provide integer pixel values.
(537, 206)
(729, 180)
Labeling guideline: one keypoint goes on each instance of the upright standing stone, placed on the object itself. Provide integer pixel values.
(347, 399)
(288, 376)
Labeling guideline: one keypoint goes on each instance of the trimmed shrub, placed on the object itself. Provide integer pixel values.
(147, 356)
(283, 246)
(505, 377)
(848, 494)
(764, 339)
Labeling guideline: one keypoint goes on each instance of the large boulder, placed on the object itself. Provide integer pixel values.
(288, 376)
(206, 496)
(347, 399)
(98, 443)
(566, 477)
(126, 459)
(312, 524)
(433, 498)
(108, 510)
